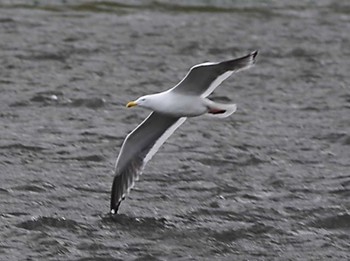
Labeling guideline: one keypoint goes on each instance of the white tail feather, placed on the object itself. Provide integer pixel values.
(220, 110)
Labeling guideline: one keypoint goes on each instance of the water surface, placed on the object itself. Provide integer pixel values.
(271, 182)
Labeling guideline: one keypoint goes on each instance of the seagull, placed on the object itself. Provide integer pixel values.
(170, 109)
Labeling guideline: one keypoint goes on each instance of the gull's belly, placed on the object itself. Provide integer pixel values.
(184, 106)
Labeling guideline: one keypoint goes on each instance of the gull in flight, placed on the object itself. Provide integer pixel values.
(169, 110)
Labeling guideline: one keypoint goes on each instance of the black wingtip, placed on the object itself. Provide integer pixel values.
(254, 53)
(114, 205)
(113, 211)
(114, 208)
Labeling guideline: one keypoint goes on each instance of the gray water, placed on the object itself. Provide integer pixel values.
(271, 182)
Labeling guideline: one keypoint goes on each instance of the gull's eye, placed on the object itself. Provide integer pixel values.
(143, 99)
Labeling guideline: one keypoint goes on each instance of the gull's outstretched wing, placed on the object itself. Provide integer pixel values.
(202, 79)
(138, 148)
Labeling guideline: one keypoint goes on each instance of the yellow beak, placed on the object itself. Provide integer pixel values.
(131, 104)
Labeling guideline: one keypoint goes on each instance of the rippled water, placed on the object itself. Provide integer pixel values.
(272, 182)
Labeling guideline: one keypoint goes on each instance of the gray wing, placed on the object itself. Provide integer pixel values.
(202, 79)
(138, 148)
